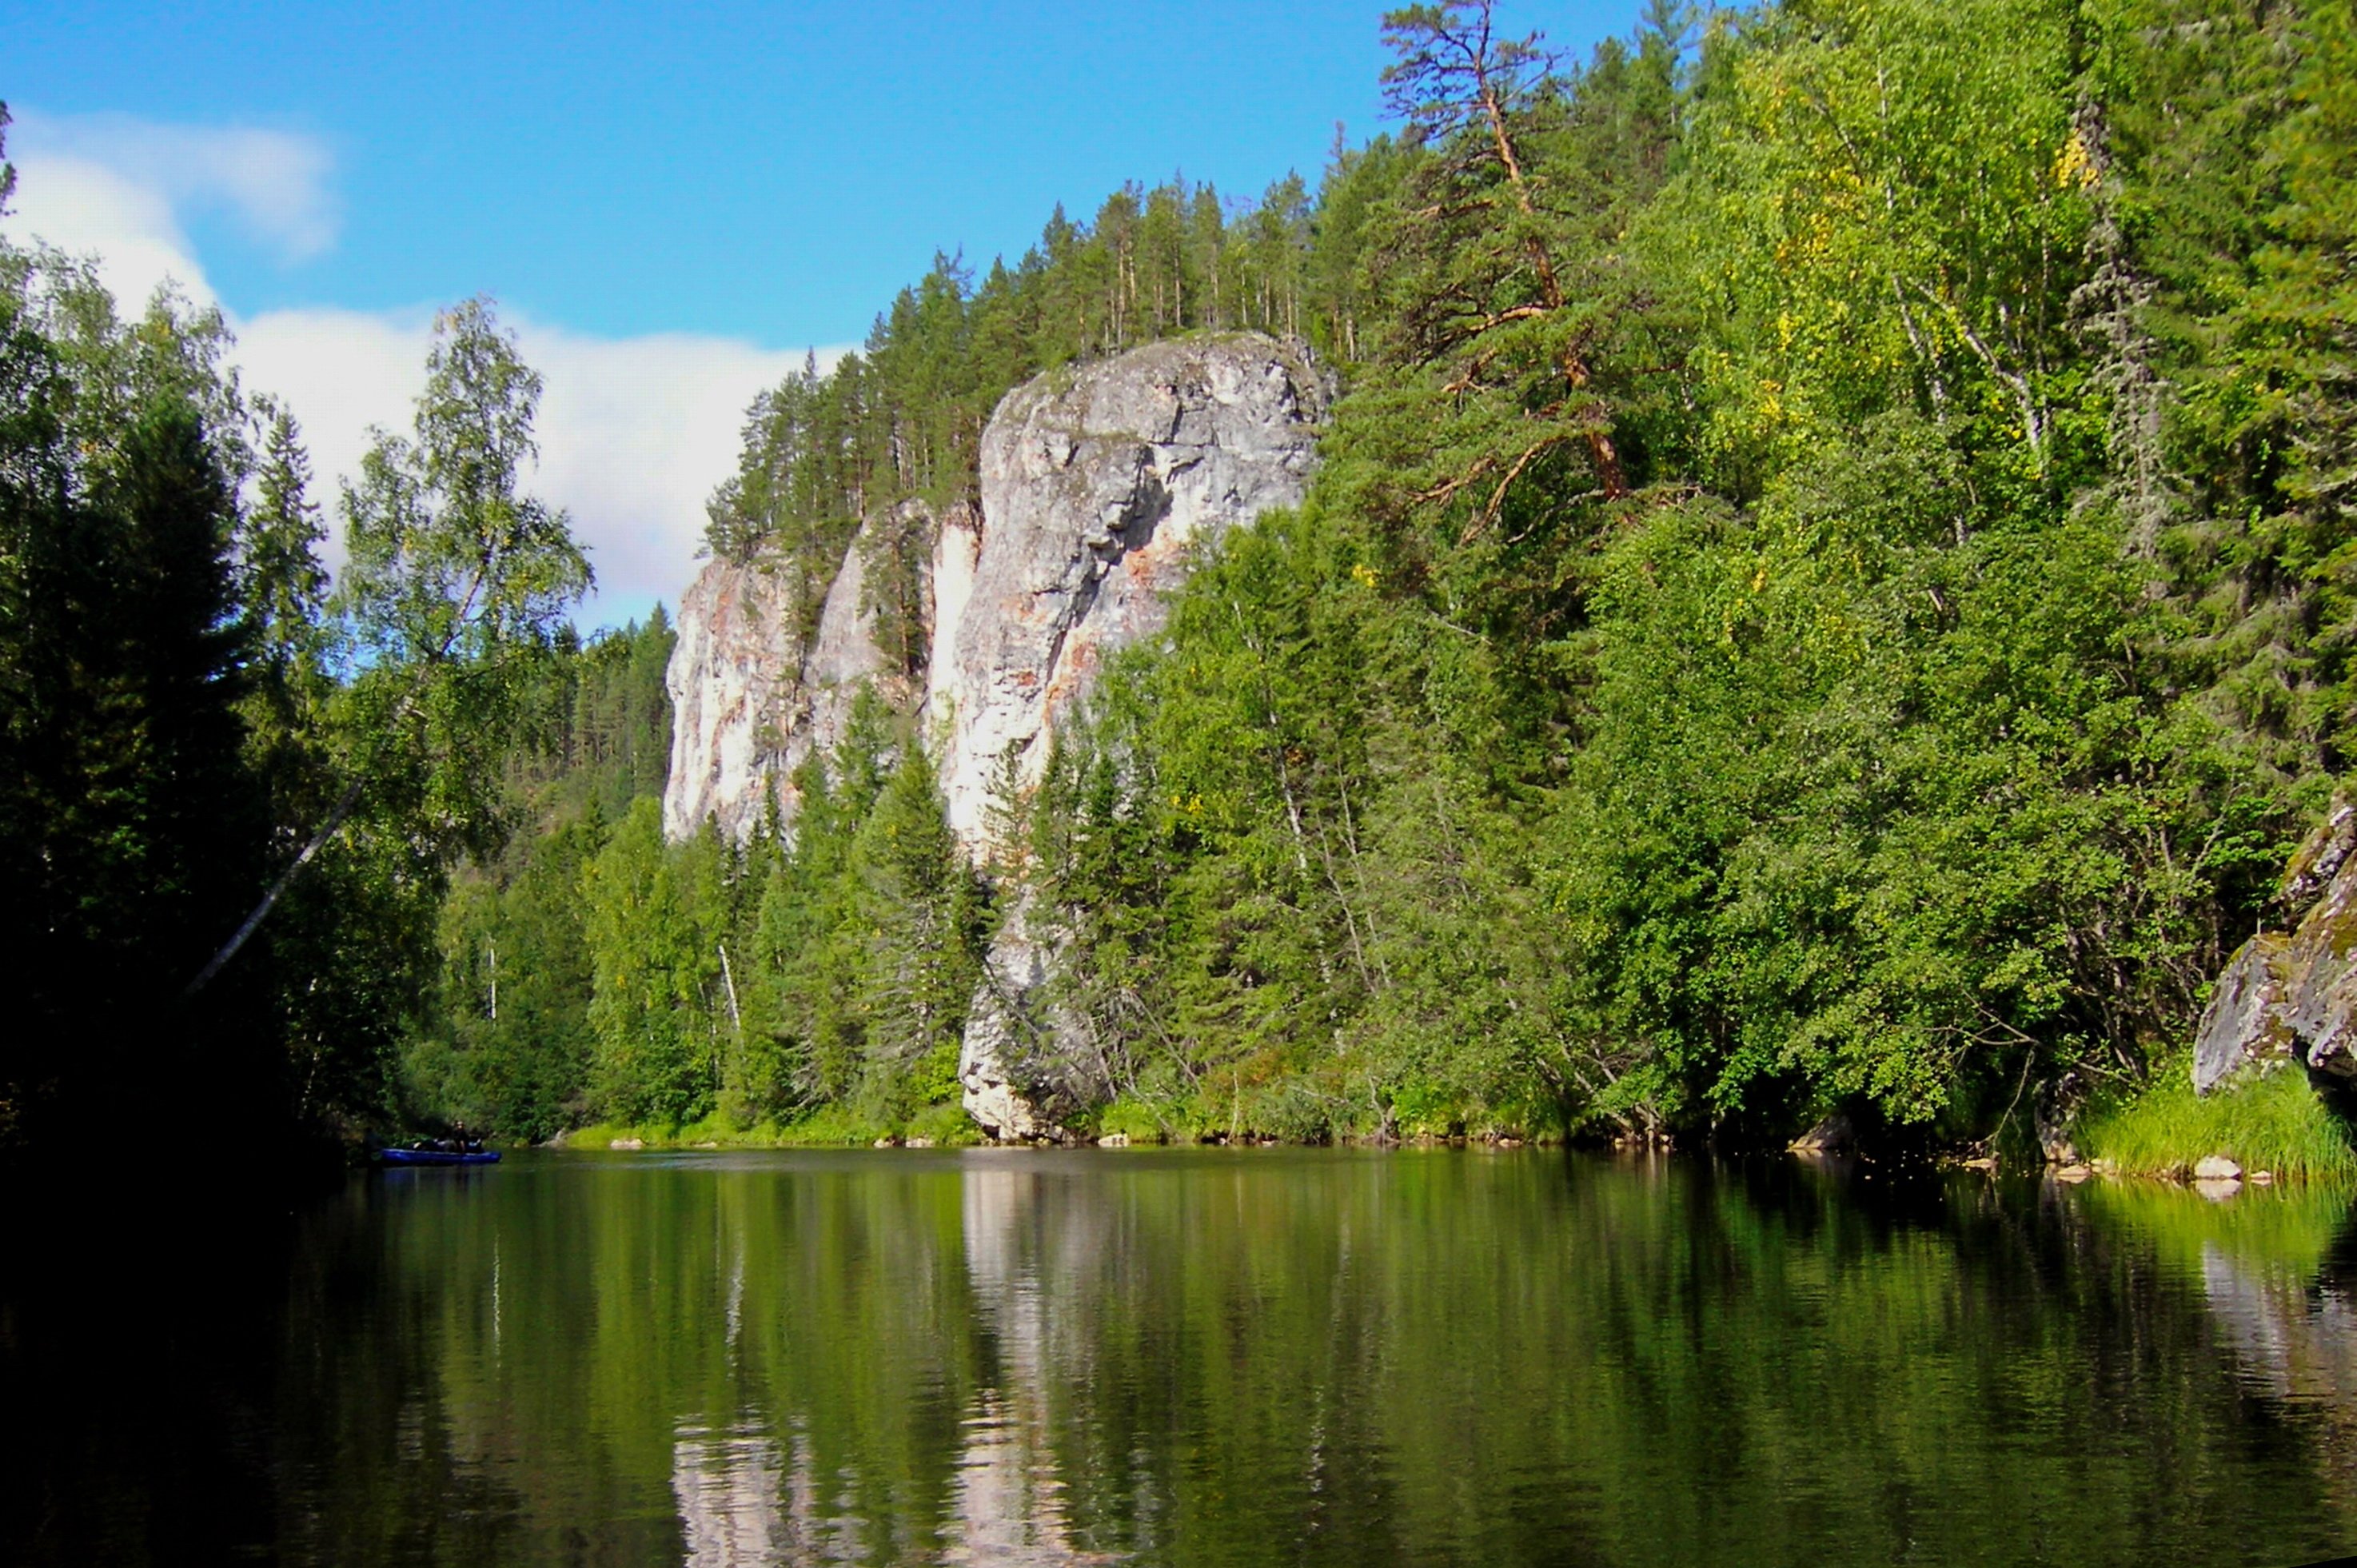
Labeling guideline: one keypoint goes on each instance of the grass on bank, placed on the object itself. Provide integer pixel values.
(832, 1127)
(2264, 1121)
(1208, 1120)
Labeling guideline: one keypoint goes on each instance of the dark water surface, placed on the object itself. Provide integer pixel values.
(1184, 1355)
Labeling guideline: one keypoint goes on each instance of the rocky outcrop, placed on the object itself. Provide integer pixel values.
(2287, 998)
(1834, 1135)
(750, 698)
(1016, 1041)
(1095, 482)
(1098, 485)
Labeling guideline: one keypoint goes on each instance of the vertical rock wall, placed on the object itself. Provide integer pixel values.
(1095, 484)
(2291, 997)
(1098, 484)
(749, 700)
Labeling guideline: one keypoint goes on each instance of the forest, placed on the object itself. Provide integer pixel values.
(1831, 587)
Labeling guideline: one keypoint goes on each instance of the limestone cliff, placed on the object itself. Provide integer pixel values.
(1096, 484)
(1094, 480)
(750, 698)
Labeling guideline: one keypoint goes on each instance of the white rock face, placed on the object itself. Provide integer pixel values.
(1095, 482)
(1099, 483)
(1096, 488)
(956, 551)
(749, 702)
(1006, 1030)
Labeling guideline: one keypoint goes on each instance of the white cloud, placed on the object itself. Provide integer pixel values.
(91, 210)
(274, 183)
(634, 432)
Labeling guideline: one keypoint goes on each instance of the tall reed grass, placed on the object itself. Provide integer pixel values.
(2265, 1121)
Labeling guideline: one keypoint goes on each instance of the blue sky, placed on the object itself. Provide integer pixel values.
(669, 203)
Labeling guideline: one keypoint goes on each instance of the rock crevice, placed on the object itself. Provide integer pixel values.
(750, 697)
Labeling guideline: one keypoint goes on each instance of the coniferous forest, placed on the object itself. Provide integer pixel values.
(1832, 587)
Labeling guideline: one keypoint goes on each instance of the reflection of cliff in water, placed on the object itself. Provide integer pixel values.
(1022, 1252)
(728, 1486)
(1201, 1357)
(2293, 1336)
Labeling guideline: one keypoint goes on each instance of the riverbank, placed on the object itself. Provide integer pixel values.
(947, 1125)
(2271, 1121)
(834, 1127)
(2274, 1127)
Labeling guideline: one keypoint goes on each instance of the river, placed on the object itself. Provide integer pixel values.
(1192, 1356)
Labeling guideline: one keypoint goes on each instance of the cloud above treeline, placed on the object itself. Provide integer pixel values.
(634, 432)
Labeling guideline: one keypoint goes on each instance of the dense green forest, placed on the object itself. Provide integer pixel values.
(1831, 587)
(231, 793)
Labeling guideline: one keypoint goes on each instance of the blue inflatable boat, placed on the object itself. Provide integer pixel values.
(437, 1157)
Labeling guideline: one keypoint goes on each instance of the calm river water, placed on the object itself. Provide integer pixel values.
(1199, 1357)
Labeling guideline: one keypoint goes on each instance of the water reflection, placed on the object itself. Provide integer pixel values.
(732, 1502)
(1009, 1500)
(1198, 1357)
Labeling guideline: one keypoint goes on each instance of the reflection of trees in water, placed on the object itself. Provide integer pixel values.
(1650, 1360)
(1283, 1357)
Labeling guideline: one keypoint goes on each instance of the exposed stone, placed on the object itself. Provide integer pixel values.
(2054, 1110)
(750, 699)
(2286, 999)
(1114, 1141)
(627, 1144)
(1014, 1038)
(1097, 486)
(1834, 1135)
(2243, 1023)
(2320, 858)
(2216, 1168)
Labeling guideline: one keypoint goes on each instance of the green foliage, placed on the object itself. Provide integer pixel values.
(129, 826)
(2271, 1121)
(454, 585)
(653, 923)
(1830, 587)
(192, 735)
(703, 990)
(1768, 636)
(861, 938)
(179, 715)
